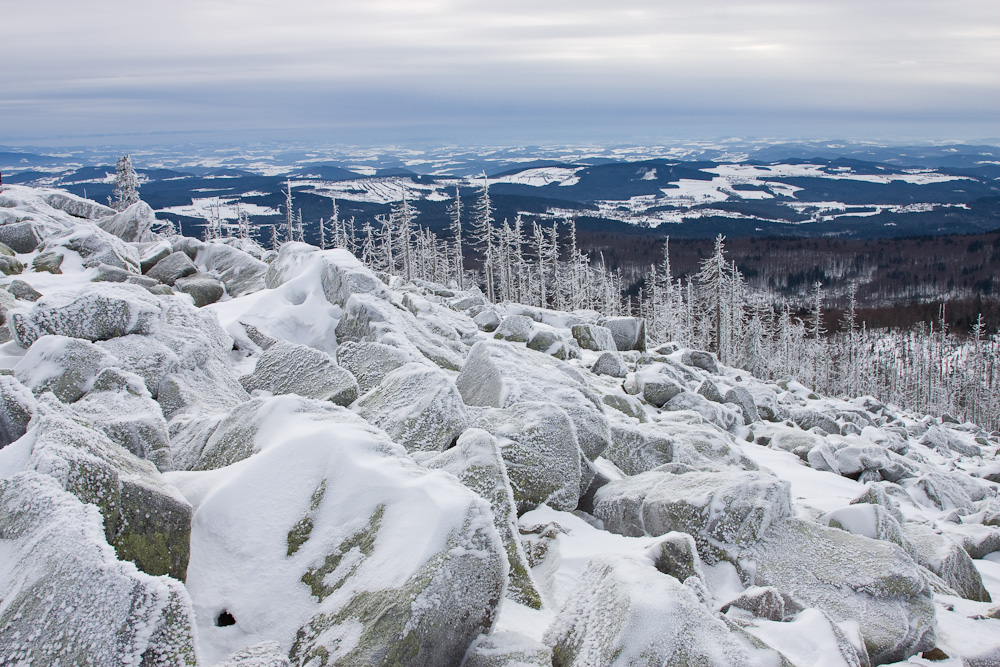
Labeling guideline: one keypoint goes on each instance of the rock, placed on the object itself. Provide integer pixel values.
(499, 375)
(287, 368)
(187, 245)
(119, 405)
(623, 613)
(370, 362)
(145, 519)
(204, 289)
(947, 560)
(240, 272)
(851, 578)
(659, 390)
(872, 521)
(636, 449)
(418, 406)
(540, 450)
(134, 224)
(97, 311)
(854, 460)
(720, 510)
(766, 603)
(78, 207)
(629, 333)
(22, 237)
(703, 360)
(47, 262)
(593, 337)
(677, 555)
(625, 404)
(10, 266)
(515, 329)
(507, 649)
(943, 440)
(477, 462)
(741, 397)
(978, 541)
(553, 344)
(878, 494)
(145, 356)
(23, 291)
(367, 559)
(610, 363)
(68, 600)
(708, 390)
(807, 419)
(65, 366)
(170, 268)
(711, 412)
(17, 405)
(95, 247)
(940, 491)
(111, 274)
(487, 321)
(151, 256)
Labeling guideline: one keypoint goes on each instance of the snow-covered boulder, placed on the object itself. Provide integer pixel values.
(418, 406)
(65, 366)
(610, 363)
(623, 613)
(636, 449)
(741, 397)
(808, 419)
(515, 329)
(68, 600)
(145, 519)
(711, 412)
(370, 362)
(593, 337)
(941, 491)
(333, 543)
(946, 559)
(17, 405)
(264, 654)
(629, 333)
(700, 359)
(540, 451)
(287, 368)
(851, 578)
(134, 224)
(201, 287)
(94, 246)
(721, 510)
(23, 237)
(174, 266)
(145, 356)
(657, 386)
(97, 311)
(872, 521)
(500, 375)
(477, 462)
(120, 406)
(553, 343)
(239, 271)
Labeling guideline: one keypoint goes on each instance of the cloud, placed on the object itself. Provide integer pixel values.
(255, 62)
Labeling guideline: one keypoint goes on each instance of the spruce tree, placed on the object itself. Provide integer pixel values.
(126, 190)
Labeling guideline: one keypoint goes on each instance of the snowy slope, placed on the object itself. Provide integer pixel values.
(352, 469)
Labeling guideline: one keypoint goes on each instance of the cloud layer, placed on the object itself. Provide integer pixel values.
(516, 69)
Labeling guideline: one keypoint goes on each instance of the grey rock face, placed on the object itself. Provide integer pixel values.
(10, 266)
(807, 419)
(17, 405)
(659, 390)
(623, 613)
(287, 368)
(21, 236)
(204, 289)
(96, 312)
(515, 328)
(151, 256)
(636, 449)
(708, 389)
(540, 451)
(593, 337)
(477, 462)
(134, 224)
(65, 366)
(47, 262)
(370, 362)
(487, 321)
(240, 272)
(57, 559)
(418, 406)
(23, 291)
(703, 360)
(610, 363)
(850, 577)
(500, 375)
(629, 333)
(507, 649)
(742, 398)
(170, 268)
(96, 247)
(947, 560)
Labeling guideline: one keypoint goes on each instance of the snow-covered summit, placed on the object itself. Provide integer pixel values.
(285, 458)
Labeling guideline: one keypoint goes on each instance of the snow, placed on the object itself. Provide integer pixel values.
(541, 176)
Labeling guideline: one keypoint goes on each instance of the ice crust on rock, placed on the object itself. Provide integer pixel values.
(287, 368)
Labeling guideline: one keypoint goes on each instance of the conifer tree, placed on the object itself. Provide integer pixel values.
(126, 191)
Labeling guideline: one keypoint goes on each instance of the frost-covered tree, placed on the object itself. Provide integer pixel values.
(455, 211)
(126, 191)
(483, 236)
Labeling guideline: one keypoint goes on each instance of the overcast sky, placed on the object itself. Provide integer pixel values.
(508, 72)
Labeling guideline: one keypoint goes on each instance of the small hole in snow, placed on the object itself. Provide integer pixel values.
(224, 619)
